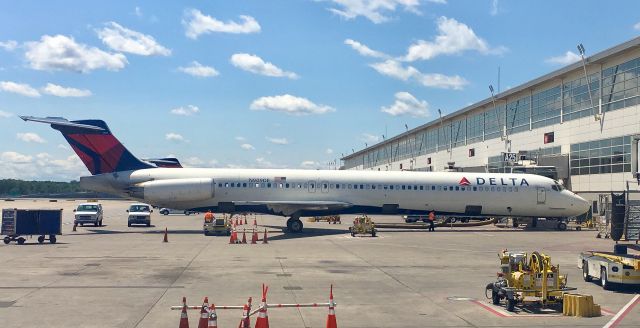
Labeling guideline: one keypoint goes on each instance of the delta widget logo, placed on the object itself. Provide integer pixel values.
(464, 182)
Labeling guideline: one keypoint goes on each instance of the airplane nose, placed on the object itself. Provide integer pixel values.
(580, 204)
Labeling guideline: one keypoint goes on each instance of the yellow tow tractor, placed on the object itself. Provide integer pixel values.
(217, 226)
(362, 225)
(525, 278)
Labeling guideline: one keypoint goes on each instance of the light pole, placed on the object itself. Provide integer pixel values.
(580, 47)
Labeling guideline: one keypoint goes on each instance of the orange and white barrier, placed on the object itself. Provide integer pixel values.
(204, 314)
(331, 317)
(263, 318)
(213, 317)
(184, 318)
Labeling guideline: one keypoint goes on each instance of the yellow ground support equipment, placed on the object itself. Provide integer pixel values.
(525, 278)
(579, 305)
(335, 219)
(362, 225)
(217, 226)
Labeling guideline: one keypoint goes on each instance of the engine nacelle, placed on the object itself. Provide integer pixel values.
(175, 190)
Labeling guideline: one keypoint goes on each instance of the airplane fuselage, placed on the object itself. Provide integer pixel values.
(318, 192)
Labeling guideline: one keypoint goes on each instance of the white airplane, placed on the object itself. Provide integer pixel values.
(297, 193)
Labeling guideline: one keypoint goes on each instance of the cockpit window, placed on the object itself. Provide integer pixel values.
(557, 187)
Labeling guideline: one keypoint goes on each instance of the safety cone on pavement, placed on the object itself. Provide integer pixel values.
(245, 322)
(213, 317)
(184, 319)
(244, 236)
(331, 318)
(264, 239)
(254, 237)
(166, 237)
(263, 318)
(204, 314)
(234, 237)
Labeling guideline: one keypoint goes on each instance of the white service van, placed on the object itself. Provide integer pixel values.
(89, 213)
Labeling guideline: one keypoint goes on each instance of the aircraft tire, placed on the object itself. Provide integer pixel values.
(294, 225)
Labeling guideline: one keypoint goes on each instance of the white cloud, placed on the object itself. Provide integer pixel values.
(636, 26)
(199, 70)
(278, 141)
(213, 162)
(4, 114)
(42, 166)
(9, 45)
(30, 137)
(61, 52)
(247, 146)
(373, 10)
(453, 38)
(289, 104)
(240, 138)
(407, 104)
(263, 163)
(138, 11)
(309, 164)
(395, 69)
(16, 158)
(196, 23)
(60, 91)
(120, 38)
(329, 151)
(185, 110)
(364, 50)
(369, 138)
(494, 8)
(255, 64)
(569, 57)
(193, 161)
(171, 136)
(19, 88)
(65, 147)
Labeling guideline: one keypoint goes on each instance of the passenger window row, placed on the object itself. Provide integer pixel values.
(350, 186)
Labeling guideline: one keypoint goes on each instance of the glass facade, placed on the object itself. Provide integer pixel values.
(601, 156)
(518, 115)
(620, 85)
(545, 107)
(617, 86)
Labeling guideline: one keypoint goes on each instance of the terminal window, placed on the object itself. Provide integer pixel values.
(601, 156)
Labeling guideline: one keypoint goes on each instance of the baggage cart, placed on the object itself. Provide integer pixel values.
(44, 223)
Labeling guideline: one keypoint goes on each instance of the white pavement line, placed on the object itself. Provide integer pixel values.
(615, 321)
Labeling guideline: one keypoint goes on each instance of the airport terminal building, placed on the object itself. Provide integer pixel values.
(585, 133)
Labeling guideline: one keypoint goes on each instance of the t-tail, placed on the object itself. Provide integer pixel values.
(93, 142)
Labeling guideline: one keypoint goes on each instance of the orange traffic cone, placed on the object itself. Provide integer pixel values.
(234, 237)
(245, 322)
(254, 237)
(264, 239)
(166, 237)
(331, 318)
(213, 317)
(263, 318)
(244, 236)
(204, 314)
(184, 319)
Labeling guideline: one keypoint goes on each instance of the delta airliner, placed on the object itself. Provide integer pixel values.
(297, 193)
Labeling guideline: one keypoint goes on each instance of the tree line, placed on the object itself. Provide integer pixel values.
(16, 188)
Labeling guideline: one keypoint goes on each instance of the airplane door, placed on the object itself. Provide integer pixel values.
(325, 186)
(542, 195)
(311, 186)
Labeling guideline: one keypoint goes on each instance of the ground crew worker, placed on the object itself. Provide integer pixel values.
(208, 217)
(432, 219)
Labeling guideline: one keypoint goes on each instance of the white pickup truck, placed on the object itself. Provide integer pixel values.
(139, 213)
(89, 213)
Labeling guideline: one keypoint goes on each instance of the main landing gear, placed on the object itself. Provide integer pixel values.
(294, 224)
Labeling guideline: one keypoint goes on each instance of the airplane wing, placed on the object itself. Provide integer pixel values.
(288, 208)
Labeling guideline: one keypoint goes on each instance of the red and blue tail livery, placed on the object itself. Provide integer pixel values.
(93, 142)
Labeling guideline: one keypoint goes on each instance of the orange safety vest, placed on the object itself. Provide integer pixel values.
(208, 217)
(432, 216)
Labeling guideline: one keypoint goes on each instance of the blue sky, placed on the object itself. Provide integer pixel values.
(269, 83)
